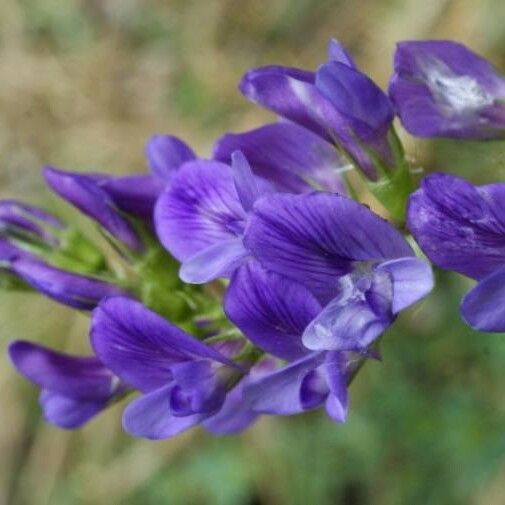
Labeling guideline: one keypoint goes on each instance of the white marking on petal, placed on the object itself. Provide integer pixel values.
(462, 93)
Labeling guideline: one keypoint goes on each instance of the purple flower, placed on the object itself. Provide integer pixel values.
(69, 288)
(357, 265)
(442, 89)
(338, 103)
(292, 158)
(74, 389)
(21, 220)
(200, 218)
(273, 312)
(84, 191)
(184, 382)
(461, 227)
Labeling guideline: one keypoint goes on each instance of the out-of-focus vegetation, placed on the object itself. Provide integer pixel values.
(83, 84)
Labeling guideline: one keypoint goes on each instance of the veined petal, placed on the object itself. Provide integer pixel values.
(315, 238)
(166, 153)
(483, 308)
(412, 280)
(280, 392)
(270, 309)
(245, 183)
(460, 227)
(68, 413)
(356, 317)
(293, 158)
(218, 260)
(357, 97)
(199, 209)
(291, 93)
(149, 416)
(72, 376)
(84, 192)
(140, 346)
(74, 290)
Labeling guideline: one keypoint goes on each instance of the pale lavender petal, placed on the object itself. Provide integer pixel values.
(234, 415)
(483, 308)
(337, 403)
(335, 409)
(245, 183)
(149, 416)
(271, 310)
(337, 52)
(412, 280)
(200, 208)
(356, 317)
(280, 392)
(166, 153)
(68, 413)
(293, 158)
(218, 260)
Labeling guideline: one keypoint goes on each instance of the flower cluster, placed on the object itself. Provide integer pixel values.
(254, 282)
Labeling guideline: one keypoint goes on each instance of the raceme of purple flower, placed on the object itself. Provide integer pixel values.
(73, 389)
(461, 227)
(184, 382)
(201, 216)
(273, 312)
(315, 277)
(357, 265)
(442, 89)
(338, 102)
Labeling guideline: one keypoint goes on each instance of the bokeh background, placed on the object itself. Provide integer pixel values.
(83, 84)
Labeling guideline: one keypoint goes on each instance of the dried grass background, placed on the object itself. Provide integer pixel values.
(83, 84)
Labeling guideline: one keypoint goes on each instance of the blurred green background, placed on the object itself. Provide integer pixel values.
(83, 84)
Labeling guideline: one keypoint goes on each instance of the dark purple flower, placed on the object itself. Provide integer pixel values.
(183, 380)
(338, 103)
(72, 289)
(18, 219)
(292, 158)
(358, 266)
(74, 389)
(201, 216)
(273, 312)
(84, 191)
(461, 227)
(442, 89)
